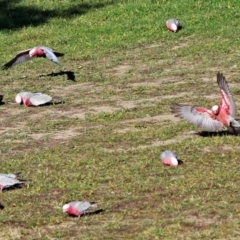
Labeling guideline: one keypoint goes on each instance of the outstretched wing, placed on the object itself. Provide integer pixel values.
(50, 55)
(227, 101)
(19, 58)
(198, 116)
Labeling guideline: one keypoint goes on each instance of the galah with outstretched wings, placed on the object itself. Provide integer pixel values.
(31, 53)
(222, 115)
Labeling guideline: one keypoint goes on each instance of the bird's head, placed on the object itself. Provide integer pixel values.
(174, 27)
(174, 161)
(215, 109)
(65, 207)
(18, 99)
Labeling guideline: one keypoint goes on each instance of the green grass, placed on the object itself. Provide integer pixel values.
(102, 142)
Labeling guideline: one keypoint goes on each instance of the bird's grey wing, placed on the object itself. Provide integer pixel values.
(198, 116)
(10, 175)
(167, 154)
(8, 181)
(226, 94)
(50, 55)
(39, 99)
(19, 58)
(81, 206)
(173, 20)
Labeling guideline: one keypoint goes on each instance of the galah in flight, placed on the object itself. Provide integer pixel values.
(173, 24)
(77, 208)
(32, 99)
(31, 53)
(9, 181)
(169, 158)
(211, 119)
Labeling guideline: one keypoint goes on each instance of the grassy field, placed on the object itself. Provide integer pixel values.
(102, 141)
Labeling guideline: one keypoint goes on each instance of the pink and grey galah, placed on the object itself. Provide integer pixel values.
(8, 180)
(169, 158)
(221, 115)
(32, 99)
(173, 24)
(32, 53)
(77, 208)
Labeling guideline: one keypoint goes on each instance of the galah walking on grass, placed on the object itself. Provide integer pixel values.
(211, 119)
(8, 180)
(32, 99)
(31, 53)
(173, 24)
(169, 158)
(77, 208)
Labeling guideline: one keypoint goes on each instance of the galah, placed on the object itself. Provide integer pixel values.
(173, 24)
(9, 181)
(77, 208)
(32, 99)
(222, 115)
(31, 53)
(169, 158)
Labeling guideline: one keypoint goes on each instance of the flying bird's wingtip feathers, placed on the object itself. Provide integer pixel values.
(226, 93)
(174, 107)
(222, 82)
(58, 54)
(178, 109)
(4, 67)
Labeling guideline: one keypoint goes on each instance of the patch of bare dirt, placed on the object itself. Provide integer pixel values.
(159, 143)
(185, 44)
(121, 70)
(201, 221)
(155, 119)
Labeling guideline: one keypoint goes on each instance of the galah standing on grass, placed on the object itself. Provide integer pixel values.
(77, 208)
(173, 24)
(9, 181)
(169, 158)
(32, 99)
(31, 53)
(211, 119)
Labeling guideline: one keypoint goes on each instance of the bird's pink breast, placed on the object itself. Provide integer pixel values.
(72, 211)
(36, 52)
(169, 161)
(27, 102)
(169, 27)
(223, 117)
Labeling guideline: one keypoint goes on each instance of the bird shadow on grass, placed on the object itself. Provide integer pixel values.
(88, 213)
(70, 75)
(14, 16)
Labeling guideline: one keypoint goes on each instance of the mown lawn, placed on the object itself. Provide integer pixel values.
(102, 139)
